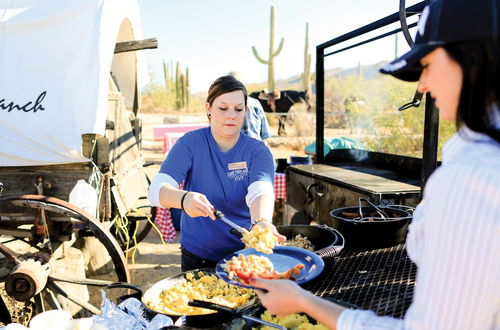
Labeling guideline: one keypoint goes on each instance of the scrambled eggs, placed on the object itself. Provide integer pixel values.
(174, 300)
(262, 239)
(292, 321)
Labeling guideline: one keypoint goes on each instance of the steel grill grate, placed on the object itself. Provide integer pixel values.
(379, 280)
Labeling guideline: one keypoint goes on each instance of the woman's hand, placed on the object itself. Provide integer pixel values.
(197, 205)
(283, 297)
(265, 224)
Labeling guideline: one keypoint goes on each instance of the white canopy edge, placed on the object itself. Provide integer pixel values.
(55, 61)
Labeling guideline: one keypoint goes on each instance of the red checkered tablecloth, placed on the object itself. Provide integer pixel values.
(163, 217)
(163, 220)
(280, 185)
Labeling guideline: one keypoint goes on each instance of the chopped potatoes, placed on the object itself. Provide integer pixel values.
(261, 239)
(291, 321)
(174, 300)
(299, 241)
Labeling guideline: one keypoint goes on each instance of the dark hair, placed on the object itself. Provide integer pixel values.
(224, 85)
(480, 63)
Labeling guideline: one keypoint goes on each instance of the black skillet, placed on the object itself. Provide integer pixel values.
(383, 230)
(151, 291)
(327, 241)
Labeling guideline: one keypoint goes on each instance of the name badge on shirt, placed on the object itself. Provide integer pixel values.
(237, 166)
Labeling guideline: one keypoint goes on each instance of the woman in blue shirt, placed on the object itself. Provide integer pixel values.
(222, 169)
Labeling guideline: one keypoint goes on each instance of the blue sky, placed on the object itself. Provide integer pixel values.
(213, 37)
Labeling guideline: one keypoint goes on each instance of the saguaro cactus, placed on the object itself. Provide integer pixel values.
(272, 54)
(306, 75)
(183, 90)
(186, 92)
(166, 75)
(178, 86)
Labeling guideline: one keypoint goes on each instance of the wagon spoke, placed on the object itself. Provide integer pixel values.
(74, 298)
(39, 304)
(51, 299)
(82, 281)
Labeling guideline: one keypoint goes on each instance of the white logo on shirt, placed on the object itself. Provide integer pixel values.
(238, 175)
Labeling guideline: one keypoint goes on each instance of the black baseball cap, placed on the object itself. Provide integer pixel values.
(443, 22)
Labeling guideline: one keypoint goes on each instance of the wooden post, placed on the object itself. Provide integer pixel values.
(129, 46)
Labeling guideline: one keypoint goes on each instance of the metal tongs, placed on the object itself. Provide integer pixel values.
(233, 312)
(382, 214)
(219, 215)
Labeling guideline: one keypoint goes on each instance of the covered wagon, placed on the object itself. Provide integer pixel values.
(69, 106)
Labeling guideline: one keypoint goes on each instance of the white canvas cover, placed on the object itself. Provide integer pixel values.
(55, 60)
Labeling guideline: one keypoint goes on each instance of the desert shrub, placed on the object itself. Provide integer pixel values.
(158, 99)
(369, 109)
(301, 121)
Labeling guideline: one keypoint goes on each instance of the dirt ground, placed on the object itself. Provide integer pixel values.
(154, 259)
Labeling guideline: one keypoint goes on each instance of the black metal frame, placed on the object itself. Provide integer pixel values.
(431, 127)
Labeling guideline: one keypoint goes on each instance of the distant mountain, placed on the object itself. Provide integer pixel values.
(295, 82)
(368, 71)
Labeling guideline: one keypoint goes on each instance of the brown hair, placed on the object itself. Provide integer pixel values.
(480, 90)
(224, 85)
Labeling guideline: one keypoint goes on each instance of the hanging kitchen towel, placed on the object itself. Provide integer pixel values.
(280, 185)
(164, 222)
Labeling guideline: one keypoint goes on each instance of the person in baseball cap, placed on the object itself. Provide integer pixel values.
(454, 237)
(445, 22)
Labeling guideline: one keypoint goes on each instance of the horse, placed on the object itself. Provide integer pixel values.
(281, 102)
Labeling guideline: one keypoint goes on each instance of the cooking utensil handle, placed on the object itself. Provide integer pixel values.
(219, 215)
(257, 320)
(122, 285)
(213, 306)
(224, 309)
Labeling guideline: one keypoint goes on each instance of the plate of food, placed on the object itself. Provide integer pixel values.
(285, 262)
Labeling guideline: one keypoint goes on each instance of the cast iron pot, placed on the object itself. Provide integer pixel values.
(144, 293)
(327, 241)
(372, 234)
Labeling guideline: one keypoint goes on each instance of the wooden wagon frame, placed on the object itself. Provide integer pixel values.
(54, 251)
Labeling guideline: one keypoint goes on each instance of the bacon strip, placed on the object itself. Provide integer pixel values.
(245, 275)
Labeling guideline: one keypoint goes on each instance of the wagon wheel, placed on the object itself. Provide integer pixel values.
(404, 23)
(138, 223)
(37, 276)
